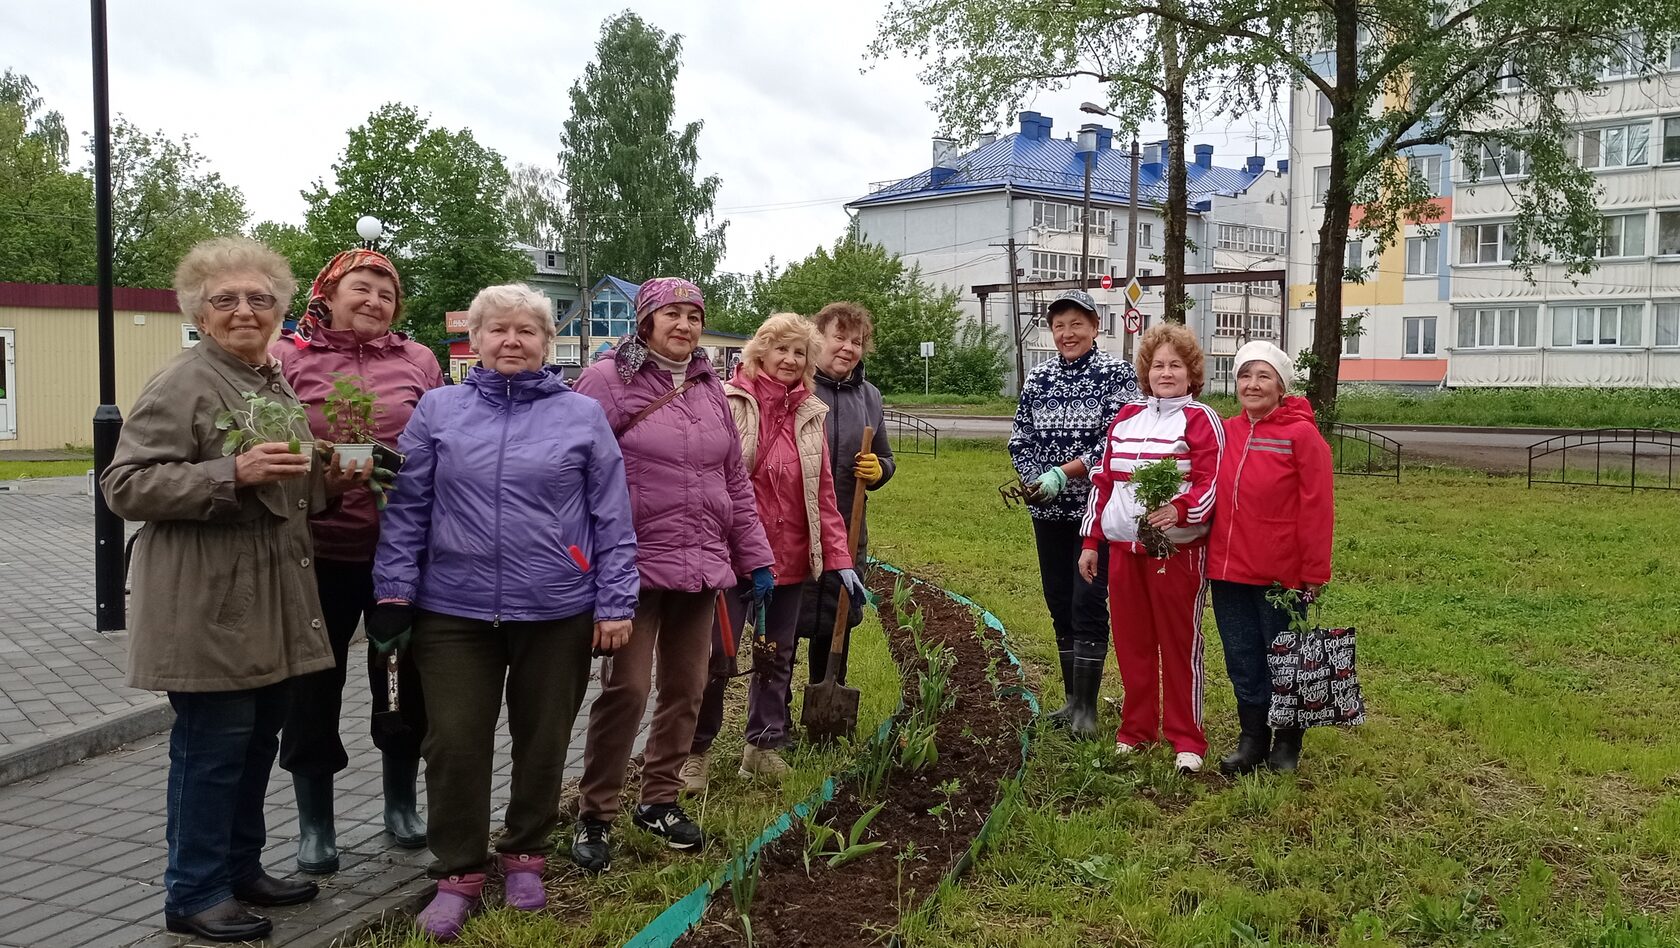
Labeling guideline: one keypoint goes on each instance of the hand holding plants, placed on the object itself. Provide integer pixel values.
(341, 478)
(267, 463)
(1163, 517)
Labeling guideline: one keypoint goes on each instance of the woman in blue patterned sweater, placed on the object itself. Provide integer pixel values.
(1067, 404)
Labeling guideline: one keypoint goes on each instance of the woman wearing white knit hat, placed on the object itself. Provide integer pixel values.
(1276, 520)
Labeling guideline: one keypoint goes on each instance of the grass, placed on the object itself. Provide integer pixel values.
(15, 470)
(952, 404)
(646, 877)
(1515, 784)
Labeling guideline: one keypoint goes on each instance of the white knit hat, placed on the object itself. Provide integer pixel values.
(1259, 351)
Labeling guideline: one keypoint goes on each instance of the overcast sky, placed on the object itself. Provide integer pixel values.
(792, 125)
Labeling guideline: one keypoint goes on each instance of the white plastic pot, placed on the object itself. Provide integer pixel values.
(350, 455)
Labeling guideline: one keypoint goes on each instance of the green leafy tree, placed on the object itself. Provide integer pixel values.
(534, 207)
(636, 205)
(735, 302)
(295, 244)
(46, 209)
(164, 199)
(908, 311)
(441, 197)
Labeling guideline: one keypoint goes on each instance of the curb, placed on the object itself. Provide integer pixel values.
(107, 734)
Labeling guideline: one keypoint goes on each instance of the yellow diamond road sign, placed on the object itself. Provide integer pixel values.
(1133, 291)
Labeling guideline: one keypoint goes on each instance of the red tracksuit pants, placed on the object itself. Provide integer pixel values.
(1155, 609)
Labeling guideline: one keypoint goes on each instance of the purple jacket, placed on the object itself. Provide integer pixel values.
(696, 523)
(504, 478)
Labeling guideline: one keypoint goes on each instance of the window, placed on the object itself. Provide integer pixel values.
(1050, 215)
(1036, 357)
(1613, 325)
(1321, 183)
(1668, 324)
(1668, 232)
(189, 337)
(1267, 289)
(1671, 139)
(1420, 335)
(1099, 219)
(1324, 110)
(1507, 80)
(566, 354)
(1428, 168)
(1146, 235)
(1423, 255)
(1052, 266)
(610, 318)
(1493, 160)
(1615, 146)
(1265, 240)
(550, 260)
(1260, 325)
(1222, 368)
(1233, 237)
(1353, 256)
(1622, 61)
(1486, 243)
(1623, 236)
(1509, 327)
(1350, 339)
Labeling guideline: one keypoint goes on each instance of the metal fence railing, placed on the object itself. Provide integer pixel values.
(1627, 458)
(909, 434)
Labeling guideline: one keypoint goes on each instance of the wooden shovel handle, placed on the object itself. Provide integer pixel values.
(843, 610)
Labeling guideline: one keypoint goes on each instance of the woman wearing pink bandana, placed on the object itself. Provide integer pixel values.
(346, 331)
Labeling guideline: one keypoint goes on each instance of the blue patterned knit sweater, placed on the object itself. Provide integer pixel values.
(1066, 408)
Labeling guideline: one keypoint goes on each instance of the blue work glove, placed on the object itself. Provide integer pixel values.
(854, 588)
(1051, 483)
(764, 584)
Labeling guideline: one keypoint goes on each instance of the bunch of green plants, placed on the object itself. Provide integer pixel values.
(826, 842)
(350, 410)
(743, 885)
(1156, 483)
(262, 421)
(918, 746)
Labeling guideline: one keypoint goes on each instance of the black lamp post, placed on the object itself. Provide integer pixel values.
(110, 614)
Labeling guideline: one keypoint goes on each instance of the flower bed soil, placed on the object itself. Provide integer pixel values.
(860, 902)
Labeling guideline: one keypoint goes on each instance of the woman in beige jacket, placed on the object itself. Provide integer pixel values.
(224, 610)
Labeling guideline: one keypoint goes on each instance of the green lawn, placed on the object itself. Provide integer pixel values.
(1515, 784)
(13, 470)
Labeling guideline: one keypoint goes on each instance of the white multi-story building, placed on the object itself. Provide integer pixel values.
(1444, 307)
(956, 220)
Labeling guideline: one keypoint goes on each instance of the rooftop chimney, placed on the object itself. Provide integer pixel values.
(1034, 127)
(1256, 164)
(1204, 156)
(986, 138)
(944, 152)
(1283, 166)
(1152, 153)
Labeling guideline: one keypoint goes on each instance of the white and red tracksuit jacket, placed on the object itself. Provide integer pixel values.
(1277, 507)
(1144, 432)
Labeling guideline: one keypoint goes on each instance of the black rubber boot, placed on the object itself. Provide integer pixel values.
(1286, 750)
(1088, 661)
(402, 812)
(317, 842)
(1059, 717)
(1252, 746)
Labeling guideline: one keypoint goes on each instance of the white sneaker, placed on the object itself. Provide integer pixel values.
(1189, 763)
(695, 773)
(756, 762)
(1122, 748)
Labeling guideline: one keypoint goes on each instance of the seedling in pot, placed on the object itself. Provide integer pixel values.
(262, 421)
(350, 411)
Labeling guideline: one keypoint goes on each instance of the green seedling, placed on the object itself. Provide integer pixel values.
(743, 885)
(350, 410)
(261, 421)
(855, 848)
(1156, 484)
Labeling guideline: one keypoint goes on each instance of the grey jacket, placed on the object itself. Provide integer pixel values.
(223, 576)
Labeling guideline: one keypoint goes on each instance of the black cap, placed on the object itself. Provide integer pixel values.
(1078, 298)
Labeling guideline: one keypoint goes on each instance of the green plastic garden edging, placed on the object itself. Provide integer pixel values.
(686, 912)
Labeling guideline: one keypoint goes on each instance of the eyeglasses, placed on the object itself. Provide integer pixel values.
(228, 302)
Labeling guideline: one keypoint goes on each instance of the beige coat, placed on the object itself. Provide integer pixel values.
(807, 434)
(223, 576)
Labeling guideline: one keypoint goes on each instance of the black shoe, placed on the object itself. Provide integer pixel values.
(264, 889)
(227, 920)
(669, 822)
(591, 845)
(1286, 750)
(1088, 661)
(1059, 717)
(317, 841)
(402, 811)
(1253, 745)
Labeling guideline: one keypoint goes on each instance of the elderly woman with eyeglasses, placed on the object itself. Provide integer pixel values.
(506, 556)
(224, 614)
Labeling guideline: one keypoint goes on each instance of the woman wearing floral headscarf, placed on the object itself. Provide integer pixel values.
(697, 532)
(346, 333)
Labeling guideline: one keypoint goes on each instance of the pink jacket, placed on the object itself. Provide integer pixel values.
(696, 525)
(398, 371)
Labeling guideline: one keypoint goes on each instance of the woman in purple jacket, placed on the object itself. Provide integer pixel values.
(507, 553)
(697, 532)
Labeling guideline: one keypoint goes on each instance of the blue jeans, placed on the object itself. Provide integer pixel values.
(1247, 626)
(221, 751)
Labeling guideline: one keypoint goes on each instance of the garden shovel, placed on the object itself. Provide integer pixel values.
(831, 709)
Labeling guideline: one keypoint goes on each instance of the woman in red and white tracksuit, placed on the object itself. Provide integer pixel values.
(1156, 604)
(1277, 514)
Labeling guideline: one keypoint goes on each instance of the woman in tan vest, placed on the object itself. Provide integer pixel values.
(782, 443)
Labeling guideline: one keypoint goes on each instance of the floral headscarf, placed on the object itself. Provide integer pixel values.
(316, 314)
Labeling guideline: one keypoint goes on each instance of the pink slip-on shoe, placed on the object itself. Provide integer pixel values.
(447, 913)
(523, 878)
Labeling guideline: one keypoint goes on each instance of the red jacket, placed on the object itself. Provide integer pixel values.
(1277, 508)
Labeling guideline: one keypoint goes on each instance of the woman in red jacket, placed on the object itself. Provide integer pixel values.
(1276, 518)
(1156, 604)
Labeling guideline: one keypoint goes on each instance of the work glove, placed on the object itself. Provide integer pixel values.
(1050, 483)
(854, 588)
(764, 585)
(868, 467)
(382, 483)
(390, 625)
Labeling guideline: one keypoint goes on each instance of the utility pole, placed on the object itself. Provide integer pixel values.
(111, 606)
(1132, 231)
(1088, 145)
(584, 304)
(1247, 328)
(1015, 319)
